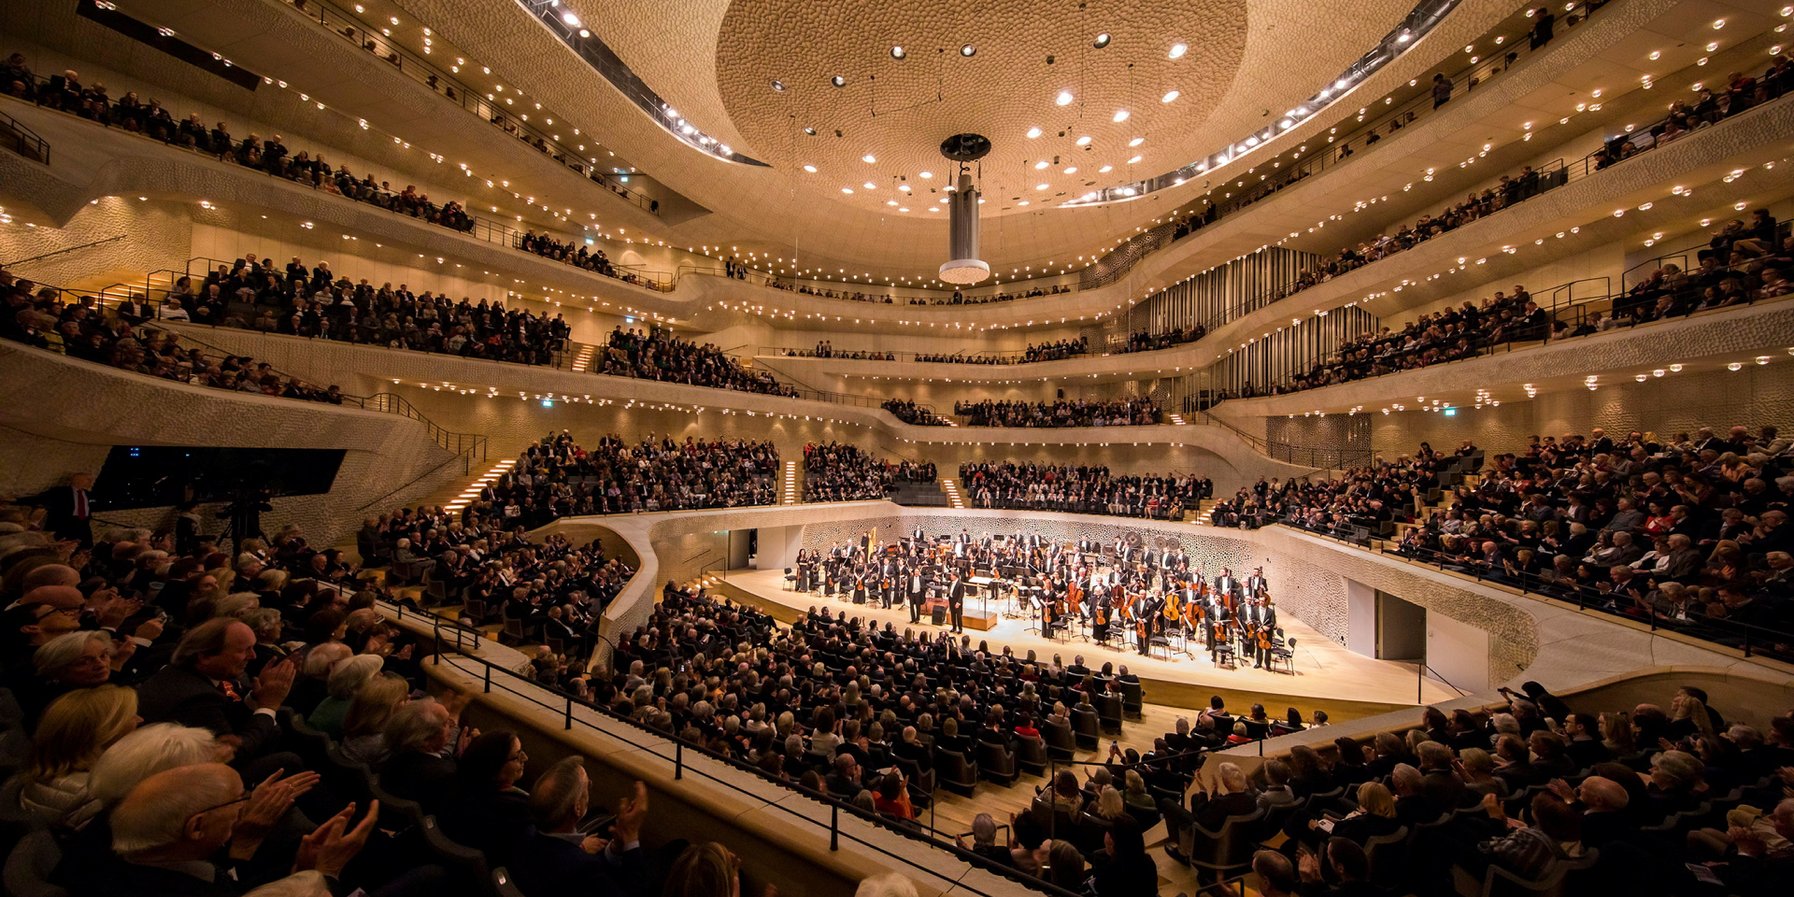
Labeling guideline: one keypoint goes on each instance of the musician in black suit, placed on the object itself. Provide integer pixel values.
(916, 590)
(68, 510)
(1225, 583)
(956, 602)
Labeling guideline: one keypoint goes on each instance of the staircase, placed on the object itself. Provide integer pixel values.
(955, 500)
(471, 489)
(791, 485)
(583, 354)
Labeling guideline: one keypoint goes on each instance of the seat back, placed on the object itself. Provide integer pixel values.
(1108, 712)
(462, 862)
(1060, 742)
(1231, 847)
(996, 761)
(1087, 727)
(29, 865)
(502, 885)
(1031, 755)
(1387, 855)
(1133, 697)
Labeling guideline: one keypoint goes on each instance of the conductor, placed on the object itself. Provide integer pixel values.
(956, 602)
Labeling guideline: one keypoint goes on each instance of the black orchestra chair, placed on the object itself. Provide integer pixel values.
(996, 763)
(1031, 755)
(1087, 726)
(1224, 654)
(790, 580)
(1284, 654)
(1108, 713)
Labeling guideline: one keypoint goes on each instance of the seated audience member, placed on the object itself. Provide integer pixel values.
(556, 860)
(203, 686)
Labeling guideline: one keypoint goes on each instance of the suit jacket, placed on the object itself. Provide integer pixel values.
(424, 778)
(179, 695)
(59, 504)
(553, 866)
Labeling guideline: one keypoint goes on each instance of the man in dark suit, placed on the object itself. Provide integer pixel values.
(916, 590)
(557, 861)
(68, 510)
(956, 602)
(203, 686)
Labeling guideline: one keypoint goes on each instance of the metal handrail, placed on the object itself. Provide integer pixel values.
(66, 249)
(651, 744)
(23, 140)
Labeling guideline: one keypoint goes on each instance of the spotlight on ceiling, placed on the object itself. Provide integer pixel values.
(1102, 40)
(1064, 98)
(838, 81)
(778, 85)
(1178, 50)
(967, 50)
(897, 52)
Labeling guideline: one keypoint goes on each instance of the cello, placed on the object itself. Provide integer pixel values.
(1074, 596)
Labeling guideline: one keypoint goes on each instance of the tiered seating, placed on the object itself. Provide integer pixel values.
(557, 478)
(1689, 532)
(658, 355)
(47, 319)
(837, 472)
(1081, 489)
(911, 413)
(1533, 797)
(1079, 413)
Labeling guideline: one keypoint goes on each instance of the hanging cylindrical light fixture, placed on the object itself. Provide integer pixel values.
(963, 266)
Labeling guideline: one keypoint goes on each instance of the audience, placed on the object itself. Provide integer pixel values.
(1054, 351)
(1080, 489)
(658, 355)
(1060, 413)
(911, 413)
(45, 319)
(253, 293)
(1149, 341)
(837, 472)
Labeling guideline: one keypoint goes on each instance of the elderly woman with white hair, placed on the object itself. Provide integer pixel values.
(311, 685)
(345, 680)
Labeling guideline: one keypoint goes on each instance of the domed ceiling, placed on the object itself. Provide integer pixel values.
(1074, 95)
(1069, 101)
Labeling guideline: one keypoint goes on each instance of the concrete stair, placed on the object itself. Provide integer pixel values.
(791, 484)
(955, 499)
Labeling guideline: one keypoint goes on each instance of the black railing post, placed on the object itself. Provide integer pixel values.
(488, 689)
(678, 760)
(569, 717)
(834, 826)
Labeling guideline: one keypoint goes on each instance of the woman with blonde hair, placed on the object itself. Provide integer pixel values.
(364, 725)
(1109, 804)
(705, 870)
(74, 731)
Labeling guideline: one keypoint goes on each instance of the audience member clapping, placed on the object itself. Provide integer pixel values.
(1080, 489)
(838, 472)
(911, 413)
(658, 355)
(1062, 413)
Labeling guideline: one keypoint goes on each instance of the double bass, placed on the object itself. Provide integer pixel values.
(1074, 597)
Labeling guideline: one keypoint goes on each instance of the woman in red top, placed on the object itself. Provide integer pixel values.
(892, 798)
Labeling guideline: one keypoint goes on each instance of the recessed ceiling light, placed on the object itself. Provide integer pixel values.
(1136, 141)
(1178, 50)
(890, 202)
(1040, 186)
(1121, 115)
(1064, 98)
(847, 190)
(810, 131)
(1170, 96)
(870, 186)
(897, 52)
(1105, 169)
(927, 174)
(1102, 40)
(1084, 140)
(810, 168)
(1033, 133)
(838, 81)
(1071, 169)
(778, 85)
(1133, 160)
(868, 158)
(967, 50)
(1041, 165)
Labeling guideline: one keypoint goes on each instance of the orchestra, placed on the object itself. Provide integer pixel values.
(1126, 595)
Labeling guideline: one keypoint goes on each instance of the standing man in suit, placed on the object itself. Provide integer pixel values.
(956, 602)
(68, 510)
(916, 590)
(1225, 582)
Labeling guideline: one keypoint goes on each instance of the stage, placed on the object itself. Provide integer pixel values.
(1326, 677)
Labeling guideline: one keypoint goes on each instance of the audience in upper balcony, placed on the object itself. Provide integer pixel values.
(826, 349)
(1148, 341)
(317, 303)
(1364, 498)
(1081, 489)
(1053, 351)
(79, 329)
(838, 472)
(555, 478)
(1690, 532)
(270, 155)
(658, 355)
(1060, 413)
(911, 413)
(958, 298)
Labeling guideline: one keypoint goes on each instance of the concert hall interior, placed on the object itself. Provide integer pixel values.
(1082, 448)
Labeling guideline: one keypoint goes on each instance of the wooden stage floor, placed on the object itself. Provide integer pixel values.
(1327, 676)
